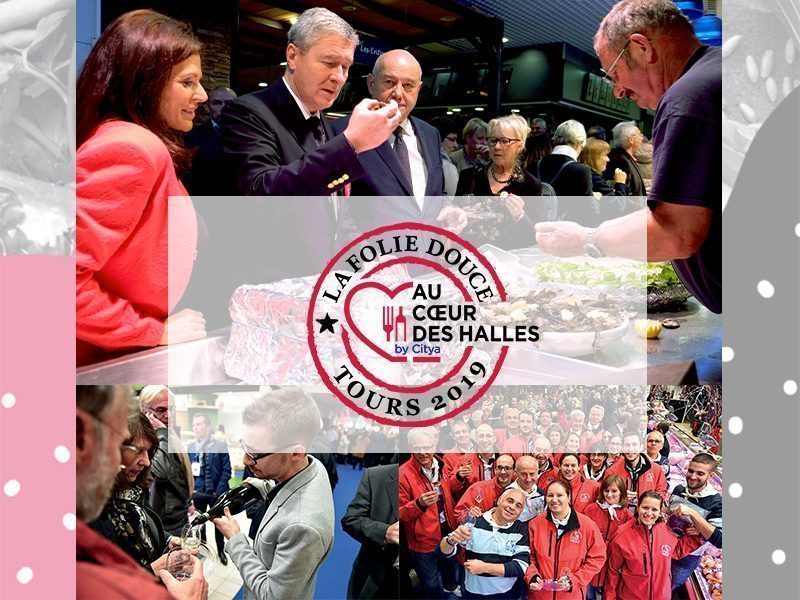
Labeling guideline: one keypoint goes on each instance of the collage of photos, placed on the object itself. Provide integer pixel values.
(592, 492)
(513, 212)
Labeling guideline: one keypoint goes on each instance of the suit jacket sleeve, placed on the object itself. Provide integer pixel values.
(357, 522)
(290, 561)
(254, 159)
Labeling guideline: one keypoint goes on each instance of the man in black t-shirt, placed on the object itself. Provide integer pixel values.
(650, 53)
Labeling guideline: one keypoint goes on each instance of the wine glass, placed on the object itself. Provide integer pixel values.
(179, 564)
(190, 537)
(468, 521)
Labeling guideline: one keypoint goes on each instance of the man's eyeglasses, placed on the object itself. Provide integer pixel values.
(159, 410)
(608, 75)
(502, 468)
(503, 141)
(257, 457)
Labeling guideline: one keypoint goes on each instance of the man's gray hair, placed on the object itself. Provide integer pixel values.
(150, 392)
(316, 23)
(622, 132)
(577, 411)
(290, 415)
(472, 126)
(539, 121)
(639, 16)
(421, 431)
(570, 132)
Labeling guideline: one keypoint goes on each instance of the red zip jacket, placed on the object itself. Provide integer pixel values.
(547, 477)
(584, 491)
(422, 526)
(453, 459)
(608, 529)
(482, 493)
(639, 561)
(580, 549)
(652, 479)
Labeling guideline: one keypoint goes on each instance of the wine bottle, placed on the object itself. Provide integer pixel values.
(236, 500)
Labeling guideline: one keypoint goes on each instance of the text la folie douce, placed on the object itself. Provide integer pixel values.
(435, 315)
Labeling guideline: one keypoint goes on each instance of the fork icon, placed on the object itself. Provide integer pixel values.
(388, 321)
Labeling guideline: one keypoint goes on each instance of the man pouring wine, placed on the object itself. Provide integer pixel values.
(296, 533)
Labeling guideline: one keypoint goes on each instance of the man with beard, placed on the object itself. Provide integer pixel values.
(522, 443)
(699, 501)
(296, 533)
(481, 496)
(638, 472)
(103, 569)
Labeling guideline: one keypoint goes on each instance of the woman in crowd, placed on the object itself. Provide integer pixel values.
(497, 549)
(565, 545)
(572, 443)
(640, 554)
(537, 146)
(136, 97)
(127, 519)
(584, 491)
(555, 434)
(609, 512)
(595, 156)
(614, 450)
(504, 176)
(595, 467)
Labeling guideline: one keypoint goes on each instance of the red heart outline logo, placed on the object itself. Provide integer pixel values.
(355, 329)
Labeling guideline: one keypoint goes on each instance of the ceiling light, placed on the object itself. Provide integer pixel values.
(447, 19)
(456, 109)
(505, 40)
(478, 109)
(449, 112)
(515, 110)
(262, 84)
(283, 64)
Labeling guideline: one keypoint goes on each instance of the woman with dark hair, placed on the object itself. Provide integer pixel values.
(641, 553)
(127, 520)
(565, 546)
(136, 97)
(537, 146)
(609, 512)
(596, 465)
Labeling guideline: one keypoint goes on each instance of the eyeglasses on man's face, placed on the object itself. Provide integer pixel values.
(259, 456)
(608, 74)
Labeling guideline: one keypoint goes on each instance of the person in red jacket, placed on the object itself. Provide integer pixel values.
(483, 495)
(638, 471)
(609, 512)
(565, 546)
(426, 508)
(584, 491)
(521, 444)
(103, 569)
(542, 452)
(511, 429)
(136, 228)
(640, 554)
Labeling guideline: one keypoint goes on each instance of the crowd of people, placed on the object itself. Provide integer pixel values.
(528, 495)
(140, 89)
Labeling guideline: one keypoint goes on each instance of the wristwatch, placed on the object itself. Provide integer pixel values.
(590, 247)
(449, 541)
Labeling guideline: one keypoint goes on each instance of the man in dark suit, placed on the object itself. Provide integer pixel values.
(276, 142)
(372, 519)
(211, 467)
(408, 164)
(627, 141)
(207, 161)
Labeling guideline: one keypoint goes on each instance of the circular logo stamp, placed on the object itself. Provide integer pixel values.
(395, 325)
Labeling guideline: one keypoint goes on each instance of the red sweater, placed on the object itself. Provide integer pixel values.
(608, 529)
(105, 571)
(580, 549)
(422, 526)
(482, 493)
(128, 277)
(651, 479)
(639, 561)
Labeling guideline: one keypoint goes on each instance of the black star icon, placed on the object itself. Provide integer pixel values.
(326, 324)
